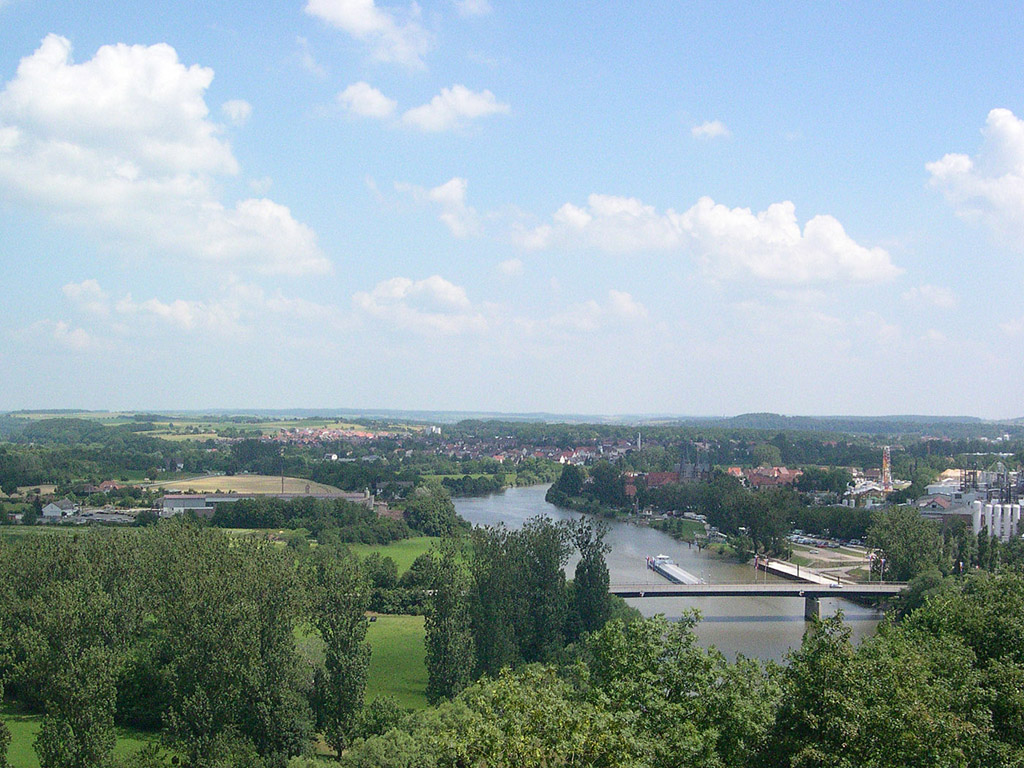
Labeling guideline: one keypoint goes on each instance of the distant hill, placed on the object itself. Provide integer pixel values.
(72, 431)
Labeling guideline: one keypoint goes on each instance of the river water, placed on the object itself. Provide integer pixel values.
(761, 627)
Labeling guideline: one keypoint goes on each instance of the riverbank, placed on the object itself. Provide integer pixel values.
(759, 627)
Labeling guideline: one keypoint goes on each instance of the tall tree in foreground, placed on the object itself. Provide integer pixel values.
(591, 601)
(911, 544)
(449, 638)
(79, 675)
(5, 735)
(338, 599)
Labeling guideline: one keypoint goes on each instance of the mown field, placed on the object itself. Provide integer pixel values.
(244, 484)
(403, 552)
(397, 664)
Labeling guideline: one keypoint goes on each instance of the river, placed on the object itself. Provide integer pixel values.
(760, 627)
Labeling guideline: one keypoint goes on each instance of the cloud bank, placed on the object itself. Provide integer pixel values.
(122, 145)
(989, 187)
(728, 243)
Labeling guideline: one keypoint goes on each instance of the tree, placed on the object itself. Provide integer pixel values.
(766, 455)
(338, 597)
(5, 641)
(78, 728)
(817, 721)
(449, 638)
(431, 512)
(539, 553)
(568, 485)
(380, 570)
(591, 600)
(227, 613)
(607, 486)
(910, 543)
(70, 648)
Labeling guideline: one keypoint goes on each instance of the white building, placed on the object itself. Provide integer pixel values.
(55, 510)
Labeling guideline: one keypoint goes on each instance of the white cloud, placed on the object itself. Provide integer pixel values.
(988, 187)
(735, 243)
(931, 296)
(261, 186)
(473, 7)
(728, 243)
(461, 219)
(122, 145)
(1013, 327)
(237, 308)
(620, 308)
(623, 306)
(308, 60)
(511, 267)
(366, 101)
(137, 101)
(452, 107)
(88, 296)
(430, 306)
(76, 339)
(237, 111)
(711, 129)
(403, 41)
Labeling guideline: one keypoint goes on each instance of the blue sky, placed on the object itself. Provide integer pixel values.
(699, 208)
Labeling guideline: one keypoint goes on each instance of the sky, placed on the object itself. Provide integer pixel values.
(647, 208)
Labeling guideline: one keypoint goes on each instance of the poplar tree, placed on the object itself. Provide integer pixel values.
(338, 599)
(449, 638)
(591, 600)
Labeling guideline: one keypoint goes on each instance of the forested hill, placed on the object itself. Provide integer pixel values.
(71, 431)
(11, 426)
(938, 426)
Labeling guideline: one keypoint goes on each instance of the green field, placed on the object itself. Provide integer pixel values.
(24, 728)
(689, 527)
(403, 552)
(397, 666)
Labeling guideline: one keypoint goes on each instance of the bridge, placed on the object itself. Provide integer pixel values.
(812, 593)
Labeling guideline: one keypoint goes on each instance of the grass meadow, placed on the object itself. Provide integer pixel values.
(403, 552)
(397, 664)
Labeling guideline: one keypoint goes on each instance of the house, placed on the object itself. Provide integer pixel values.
(937, 503)
(205, 504)
(771, 477)
(55, 510)
(658, 479)
(109, 485)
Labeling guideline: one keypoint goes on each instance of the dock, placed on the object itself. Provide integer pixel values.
(794, 572)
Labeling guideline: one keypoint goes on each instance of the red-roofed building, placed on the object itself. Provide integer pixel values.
(658, 479)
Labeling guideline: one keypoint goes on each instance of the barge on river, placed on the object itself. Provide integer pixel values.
(663, 565)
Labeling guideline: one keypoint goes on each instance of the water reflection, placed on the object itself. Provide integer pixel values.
(762, 627)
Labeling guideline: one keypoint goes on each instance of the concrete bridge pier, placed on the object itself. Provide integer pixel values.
(812, 608)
